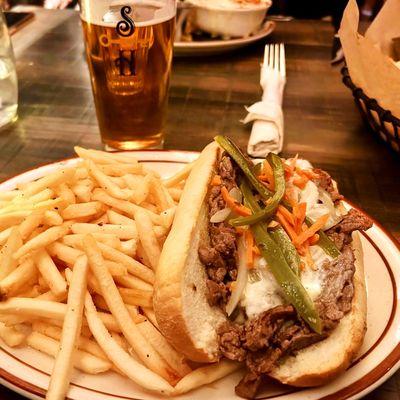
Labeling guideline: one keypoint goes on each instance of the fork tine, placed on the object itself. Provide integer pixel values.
(276, 61)
(282, 60)
(266, 55)
(271, 56)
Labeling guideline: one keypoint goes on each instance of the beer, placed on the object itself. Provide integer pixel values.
(129, 62)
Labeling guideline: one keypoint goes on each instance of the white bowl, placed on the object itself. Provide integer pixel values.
(229, 18)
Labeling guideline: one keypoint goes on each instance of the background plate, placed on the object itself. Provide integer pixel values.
(209, 47)
(27, 371)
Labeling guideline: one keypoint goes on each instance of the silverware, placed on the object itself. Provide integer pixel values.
(274, 58)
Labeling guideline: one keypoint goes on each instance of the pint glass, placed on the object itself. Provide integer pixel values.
(129, 54)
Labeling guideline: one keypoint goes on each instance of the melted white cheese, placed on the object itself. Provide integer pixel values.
(262, 295)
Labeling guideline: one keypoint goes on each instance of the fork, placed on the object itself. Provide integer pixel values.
(273, 70)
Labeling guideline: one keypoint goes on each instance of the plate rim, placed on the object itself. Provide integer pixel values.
(378, 374)
(266, 30)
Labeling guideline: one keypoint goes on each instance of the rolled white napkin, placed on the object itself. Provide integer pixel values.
(267, 131)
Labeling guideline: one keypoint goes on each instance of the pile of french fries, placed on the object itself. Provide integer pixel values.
(78, 253)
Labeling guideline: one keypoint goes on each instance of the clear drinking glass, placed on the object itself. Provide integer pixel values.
(129, 52)
(8, 77)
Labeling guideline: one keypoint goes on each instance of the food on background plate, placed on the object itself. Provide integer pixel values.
(263, 266)
(78, 253)
(225, 18)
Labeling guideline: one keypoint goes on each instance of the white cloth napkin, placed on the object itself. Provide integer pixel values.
(267, 131)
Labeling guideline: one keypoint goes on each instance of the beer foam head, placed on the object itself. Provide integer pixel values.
(145, 12)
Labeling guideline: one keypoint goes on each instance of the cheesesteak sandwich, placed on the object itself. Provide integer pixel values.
(263, 265)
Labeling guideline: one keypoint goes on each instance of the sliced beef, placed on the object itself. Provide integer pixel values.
(217, 293)
(231, 341)
(219, 254)
(354, 220)
(259, 331)
(325, 182)
(337, 290)
(249, 385)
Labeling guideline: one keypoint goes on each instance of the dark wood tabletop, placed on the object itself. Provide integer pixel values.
(207, 97)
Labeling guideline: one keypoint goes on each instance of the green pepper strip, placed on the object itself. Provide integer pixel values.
(243, 164)
(324, 242)
(289, 251)
(273, 202)
(293, 290)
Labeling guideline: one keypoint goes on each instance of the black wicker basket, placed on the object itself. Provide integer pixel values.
(382, 122)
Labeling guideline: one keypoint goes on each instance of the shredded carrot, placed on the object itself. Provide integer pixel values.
(233, 204)
(309, 259)
(216, 180)
(299, 212)
(302, 266)
(286, 225)
(300, 181)
(309, 232)
(290, 196)
(240, 230)
(249, 240)
(313, 239)
(287, 214)
(256, 251)
(307, 172)
(268, 173)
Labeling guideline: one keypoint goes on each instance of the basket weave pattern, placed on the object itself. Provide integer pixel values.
(382, 122)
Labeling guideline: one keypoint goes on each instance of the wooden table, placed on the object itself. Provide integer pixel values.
(207, 97)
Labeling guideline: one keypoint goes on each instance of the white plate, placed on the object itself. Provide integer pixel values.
(209, 47)
(26, 371)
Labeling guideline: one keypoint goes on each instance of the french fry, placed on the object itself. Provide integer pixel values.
(205, 375)
(76, 240)
(149, 313)
(33, 291)
(119, 219)
(128, 247)
(13, 218)
(142, 255)
(30, 223)
(52, 218)
(103, 219)
(121, 231)
(4, 235)
(61, 374)
(150, 206)
(134, 267)
(160, 196)
(9, 195)
(48, 181)
(124, 206)
(131, 368)
(102, 157)
(107, 183)
(116, 305)
(7, 263)
(132, 282)
(116, 269)
(121, 170)
(167, 352)
(66, 193)
(137, 297)
(17, 279)
(50, 273)
(168, 216)
(64, 253)
(139, 185)
(10, 336)
(147, 237)
(179, 176)
(43, 239)
(80, 210)
(46, 309)
(45, 194)
(175, 193)
(85, 331)
(83, 361)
